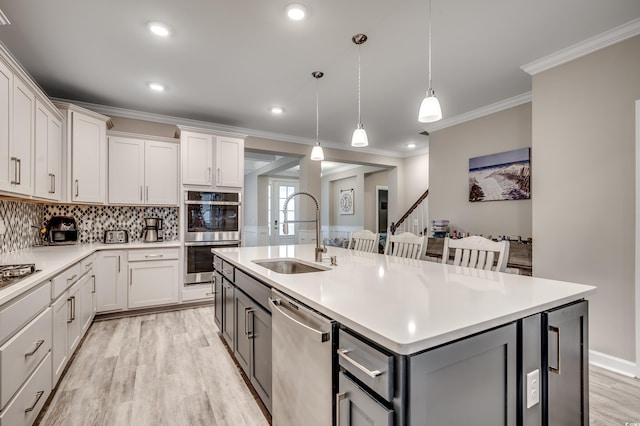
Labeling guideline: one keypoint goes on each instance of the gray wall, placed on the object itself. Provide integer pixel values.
(449, 153)
(583, 173)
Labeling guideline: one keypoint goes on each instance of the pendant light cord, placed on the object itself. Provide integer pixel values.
(317, 112)
(429, 45)
(359, 114)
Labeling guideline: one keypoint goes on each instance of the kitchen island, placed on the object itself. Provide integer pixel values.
(447, 334)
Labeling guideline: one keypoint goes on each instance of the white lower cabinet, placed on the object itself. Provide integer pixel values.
(111, 281)
(153, 277)
(88, 308)
(59, 353)
(26, 405)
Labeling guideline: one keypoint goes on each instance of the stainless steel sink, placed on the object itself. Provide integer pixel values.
(289, 266)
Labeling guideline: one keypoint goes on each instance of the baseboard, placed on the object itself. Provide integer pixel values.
(617, 365)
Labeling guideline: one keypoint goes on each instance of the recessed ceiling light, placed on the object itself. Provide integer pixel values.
(411, 145)
(297, 11)
(159, 29)
(156, 87)
(276, 110)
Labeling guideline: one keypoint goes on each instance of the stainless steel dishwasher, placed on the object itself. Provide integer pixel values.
(302, 357)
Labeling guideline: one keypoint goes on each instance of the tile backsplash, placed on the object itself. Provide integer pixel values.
(93, 220)
(21, 222)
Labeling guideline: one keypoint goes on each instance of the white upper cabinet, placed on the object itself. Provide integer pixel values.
(84, 154)
(229, 161)
(161, 172)
(48, 153)
(143, 171)
(212, 160)
(16, 133)
(197, 158)
(6, 86)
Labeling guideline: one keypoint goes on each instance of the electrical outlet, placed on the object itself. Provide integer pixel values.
(3, 227)
(87, 224)
(533, 388)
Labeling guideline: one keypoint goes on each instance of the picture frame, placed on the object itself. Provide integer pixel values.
(502, 176)
(346, 201)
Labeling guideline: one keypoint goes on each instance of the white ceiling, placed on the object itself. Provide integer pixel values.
(229, 61)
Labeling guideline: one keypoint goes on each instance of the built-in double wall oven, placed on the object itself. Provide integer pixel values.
(212, 219)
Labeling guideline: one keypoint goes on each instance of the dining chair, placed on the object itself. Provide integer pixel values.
(477, 252)
(364, 241)
(404, 245)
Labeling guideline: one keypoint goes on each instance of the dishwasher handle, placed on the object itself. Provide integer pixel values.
(312, 333)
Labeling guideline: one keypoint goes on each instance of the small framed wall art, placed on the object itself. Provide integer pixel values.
(346, 201)
(502, 176)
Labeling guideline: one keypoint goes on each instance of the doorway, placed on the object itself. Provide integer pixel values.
(279, 190)
(382, 208)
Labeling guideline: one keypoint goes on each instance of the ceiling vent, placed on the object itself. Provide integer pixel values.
(3, 19)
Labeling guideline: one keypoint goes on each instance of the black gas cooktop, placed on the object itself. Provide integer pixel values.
(11, 274)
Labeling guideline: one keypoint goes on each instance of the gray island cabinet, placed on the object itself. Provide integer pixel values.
(420, 343)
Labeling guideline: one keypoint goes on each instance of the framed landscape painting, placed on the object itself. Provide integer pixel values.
(502, 176)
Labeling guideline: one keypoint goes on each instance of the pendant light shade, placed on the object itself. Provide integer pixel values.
(317, 154)
(359, 138)
(430, 110)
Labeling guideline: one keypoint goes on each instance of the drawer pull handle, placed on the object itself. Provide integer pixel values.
(72, 278)
(343, 354)
(38, 344)
(339, 398)
(153, 255)
(38, 396)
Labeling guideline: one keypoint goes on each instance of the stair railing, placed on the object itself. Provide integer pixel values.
(396, 225)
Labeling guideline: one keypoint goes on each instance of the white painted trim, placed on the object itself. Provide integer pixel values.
(3, 19)
(480, 112)
(590, 45)
(214, 127)
(637, 263)
(611, 363)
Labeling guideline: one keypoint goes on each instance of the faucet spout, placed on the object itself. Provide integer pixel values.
(285, 224)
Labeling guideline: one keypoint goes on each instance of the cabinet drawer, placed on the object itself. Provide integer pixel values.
(217, 263)
(254, 288)
(153, 254)
(355, 406)
(62, 281)
(228, 271)
(15, 314)
(25, 407)
(370, 365)
(87, 263)
(20, 355)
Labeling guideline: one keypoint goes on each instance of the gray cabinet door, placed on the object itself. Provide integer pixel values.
(260, 333)
(469, 382)
(355, 407)
(242, 352)
(218, 298)
(566, 370)
(228, 320)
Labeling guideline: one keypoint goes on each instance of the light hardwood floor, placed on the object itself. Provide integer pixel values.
(172, 369)
(169, 368)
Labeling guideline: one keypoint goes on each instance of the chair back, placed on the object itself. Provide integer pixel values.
(364, 241)
(404, 245)
(477, 252)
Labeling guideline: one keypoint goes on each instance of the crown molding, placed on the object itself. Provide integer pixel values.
(185, 123)
(3, 19)
(590, 45)
(480, 112)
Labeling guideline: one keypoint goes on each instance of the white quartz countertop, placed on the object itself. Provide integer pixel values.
(51, 260)
(406, 305)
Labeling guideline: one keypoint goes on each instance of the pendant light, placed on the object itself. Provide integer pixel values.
(359, 138)
(317, 154)
(430, 110)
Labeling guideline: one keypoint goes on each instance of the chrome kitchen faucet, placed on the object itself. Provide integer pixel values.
(285, 223)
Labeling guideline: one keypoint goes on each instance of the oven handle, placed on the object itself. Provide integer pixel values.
(229, 243)
(214, 203)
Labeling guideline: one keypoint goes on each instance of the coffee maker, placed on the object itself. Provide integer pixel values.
(152, 230)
